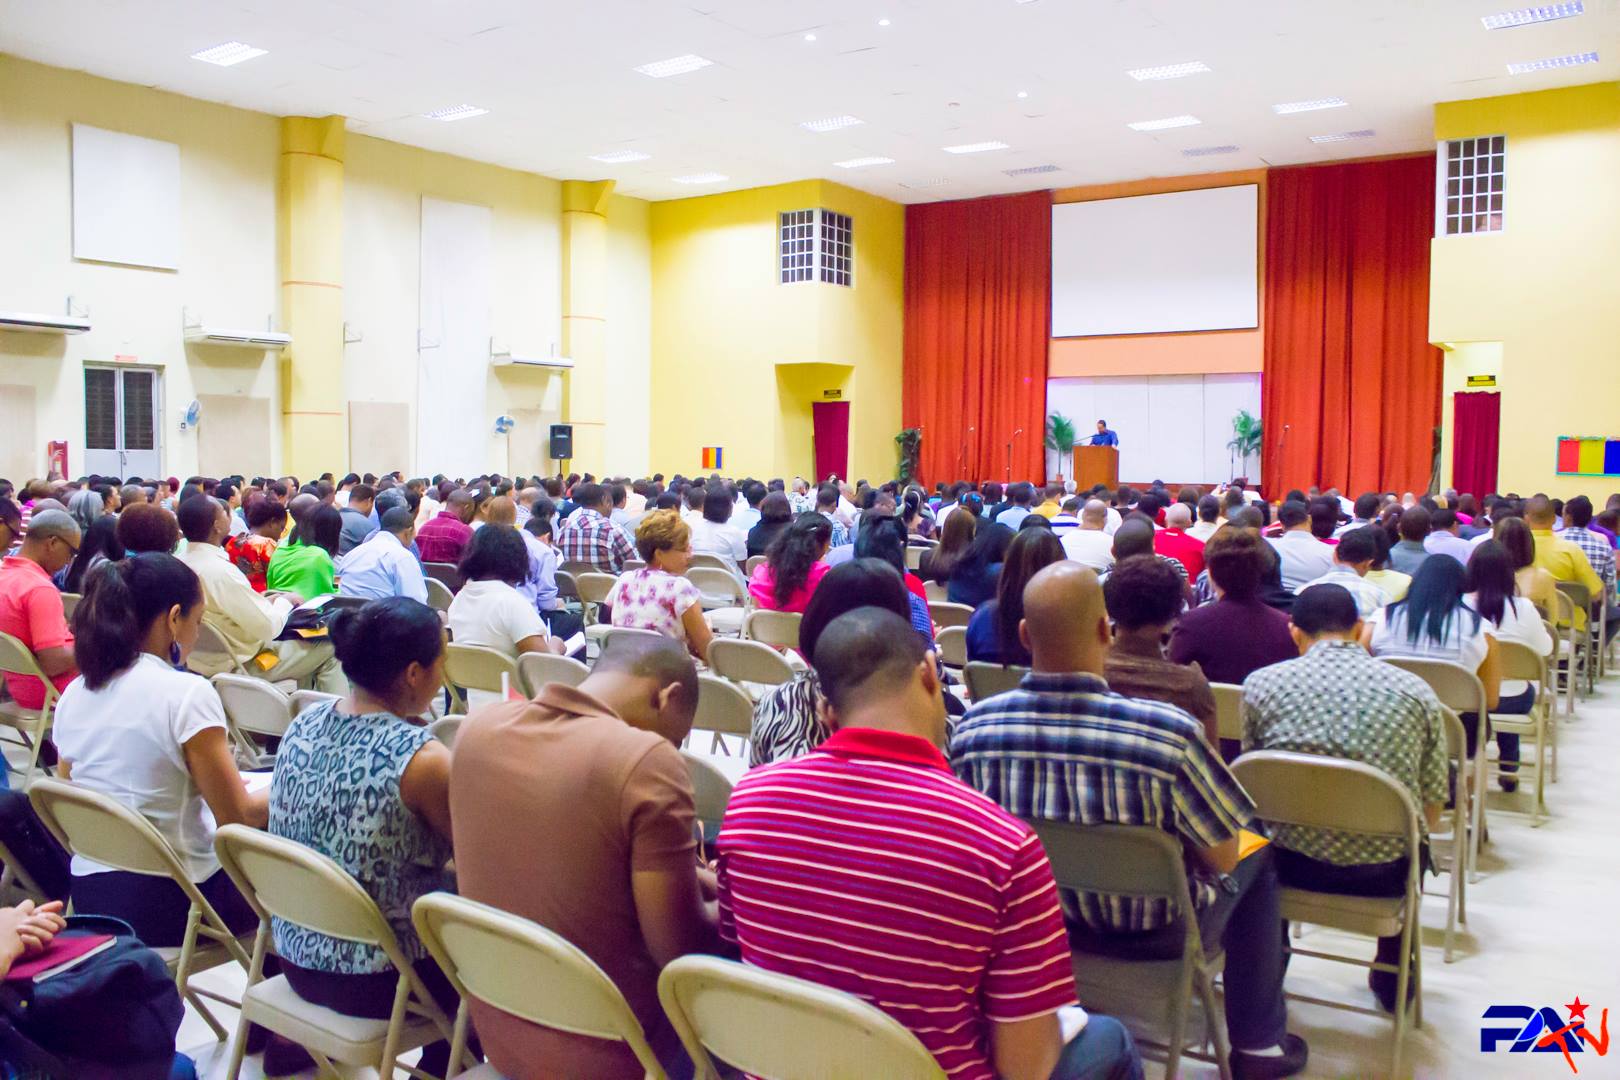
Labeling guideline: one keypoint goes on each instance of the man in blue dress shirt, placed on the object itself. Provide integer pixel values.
(1104, 437)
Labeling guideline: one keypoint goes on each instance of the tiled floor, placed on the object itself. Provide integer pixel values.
(1537, 935)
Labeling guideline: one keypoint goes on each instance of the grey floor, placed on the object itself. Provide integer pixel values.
(1542, 928)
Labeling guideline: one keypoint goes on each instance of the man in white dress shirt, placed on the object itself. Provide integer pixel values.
(1304, 557)
(383, 566)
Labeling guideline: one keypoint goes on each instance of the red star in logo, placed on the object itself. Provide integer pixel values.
(1577, 1009)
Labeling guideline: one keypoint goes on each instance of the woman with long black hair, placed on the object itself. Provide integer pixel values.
(1492, 590)
(793, 566)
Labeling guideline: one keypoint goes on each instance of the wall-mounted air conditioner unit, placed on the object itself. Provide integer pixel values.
(502, 357)
(27, 322)
(198, 334)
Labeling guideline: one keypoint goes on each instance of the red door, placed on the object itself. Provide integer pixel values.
(832, 439)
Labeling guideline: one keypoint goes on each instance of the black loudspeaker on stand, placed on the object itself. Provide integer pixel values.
(562, 442)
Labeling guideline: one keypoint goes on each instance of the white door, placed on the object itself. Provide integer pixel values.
(121, 422)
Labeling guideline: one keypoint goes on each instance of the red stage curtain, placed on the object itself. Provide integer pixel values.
(978, 320)
(1474, 432)
(1351, 390)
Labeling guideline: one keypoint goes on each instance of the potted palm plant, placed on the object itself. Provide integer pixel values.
(1060, 436)
(1245, 441)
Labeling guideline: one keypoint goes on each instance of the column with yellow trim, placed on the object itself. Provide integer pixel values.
(584, 309)
(314, 434)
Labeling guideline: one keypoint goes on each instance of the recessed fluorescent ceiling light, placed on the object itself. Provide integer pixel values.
(1290, 107)
(1030, 170)
(675, 65)
(620, 157)
(938, 181)
(831, 123)
(864, 162)
(975, 147)
(1205, 151)
(1553, 63)
(1344, 136)
(231, 52)
(1504, 20)
(883, 22)
(455, 112)
(1169, 71)
(1167, 122)
(701, 178)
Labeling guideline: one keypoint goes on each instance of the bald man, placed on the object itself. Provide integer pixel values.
(30, 606)
(1174, 541)
(444, 539)
(1107, 759)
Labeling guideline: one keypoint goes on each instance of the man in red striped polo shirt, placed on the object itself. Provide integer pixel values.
(868, 867)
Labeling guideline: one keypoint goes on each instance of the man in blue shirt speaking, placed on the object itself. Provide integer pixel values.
(1104, 437)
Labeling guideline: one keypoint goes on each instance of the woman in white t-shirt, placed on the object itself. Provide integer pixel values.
(137, 728)
(1493, 592)
(489, 610)
(657, 597)
(1433, 623)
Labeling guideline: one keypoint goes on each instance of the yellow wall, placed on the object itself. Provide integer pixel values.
(729, 339)
(1546, 286)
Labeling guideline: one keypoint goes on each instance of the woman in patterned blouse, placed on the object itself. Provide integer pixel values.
(657, 597)
(251, 551)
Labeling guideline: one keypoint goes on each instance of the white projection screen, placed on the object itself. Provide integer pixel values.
(1156, 264)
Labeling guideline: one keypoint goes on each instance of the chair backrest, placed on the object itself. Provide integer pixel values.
(1456, 687)
(439, 594)
(70, 604)
(102, 829)
(713, 562)
(936, 592)
(628, 631)
(253, 704)
(774, 1025)
(1123, 860)
(303, 699)
(1520, 661)
(537, 669)
(748, 661)
(914, 554)
(949, 614)
(520, 967)
(18, 659)
(723, 707)
(987, 680)
(720, 588)
(754, 563)
(594, 587)
(1579, 595)
(575, 567)
(210, 642)
(711, 789)
(567, 585)
(951, 644)
(445, 573)
(1318, 792)
(779, 628)
(632, 564)
(1228, 710)
(445, 728)
(479, 667)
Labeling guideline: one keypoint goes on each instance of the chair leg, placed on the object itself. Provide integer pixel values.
(238, 1047)
(402, 993)
(1215, 1021)
(207, 1014)
(1177, 1036)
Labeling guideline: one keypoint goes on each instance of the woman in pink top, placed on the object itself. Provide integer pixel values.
(793, 566)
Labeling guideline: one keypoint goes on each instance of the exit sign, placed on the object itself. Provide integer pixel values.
(1482, 380)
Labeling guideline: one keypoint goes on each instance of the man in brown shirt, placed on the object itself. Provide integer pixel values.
(1144, 597)
(574, 810)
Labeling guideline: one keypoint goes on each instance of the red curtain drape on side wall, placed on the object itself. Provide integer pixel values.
(1351, 390)
(1474, 430)
(978, 320)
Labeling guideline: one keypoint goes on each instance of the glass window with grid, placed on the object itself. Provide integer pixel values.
(1474, 183)
(837, 249)
(798, 246)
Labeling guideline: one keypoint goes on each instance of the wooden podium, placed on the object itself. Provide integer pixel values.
(1096, 465)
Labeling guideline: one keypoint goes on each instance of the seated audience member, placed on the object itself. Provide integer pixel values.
(745, 512)
(266, 521)
(1135, 537)
(1143, 597)
(1393, 582)
(911, 515)
(590, 536)
(10, 525)
(489, 610)
(693, 498)
(1407, 554)
(1434, 623)
(1304, 557)
(713, 533)
(793, 567)
(827, 500)
(1020, 495)
(361, 781)
(1493, 592)
(1563, 559)
(992, 632)
(31, 606)
(444, 538)
(1051, 504)
(1325, 514)
(658, 597)
(130, 495)
(85, 506)
(1175, 541)
(973, 578)
(981, 988)
(1578, 530)
(1444, 537)
(575, 810)
(1068, 519)
(1209, 513)
(383, 565)
(775, 513)
(305, 564)
(98, 545)
(1364, 514)
(1091, 545)
(357, 515)
(1095, 743)
(137, 729)
(1534, 582)
(1239, 633)
(881, 536)
(148, 528)
(1336, 701)
(955, 537)
(1352, 558)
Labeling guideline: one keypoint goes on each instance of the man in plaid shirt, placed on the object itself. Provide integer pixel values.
(589, 536)
(1577, 522)
(1064, 747)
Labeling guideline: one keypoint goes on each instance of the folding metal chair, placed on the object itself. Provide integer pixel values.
(723, 708)
(30, 724)
(987, 680)
(253, 707)
(949, 614)
(535, 670)
(477, 667)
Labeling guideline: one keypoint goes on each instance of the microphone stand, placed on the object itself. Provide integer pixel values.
(961, 459)
(1015, 435)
